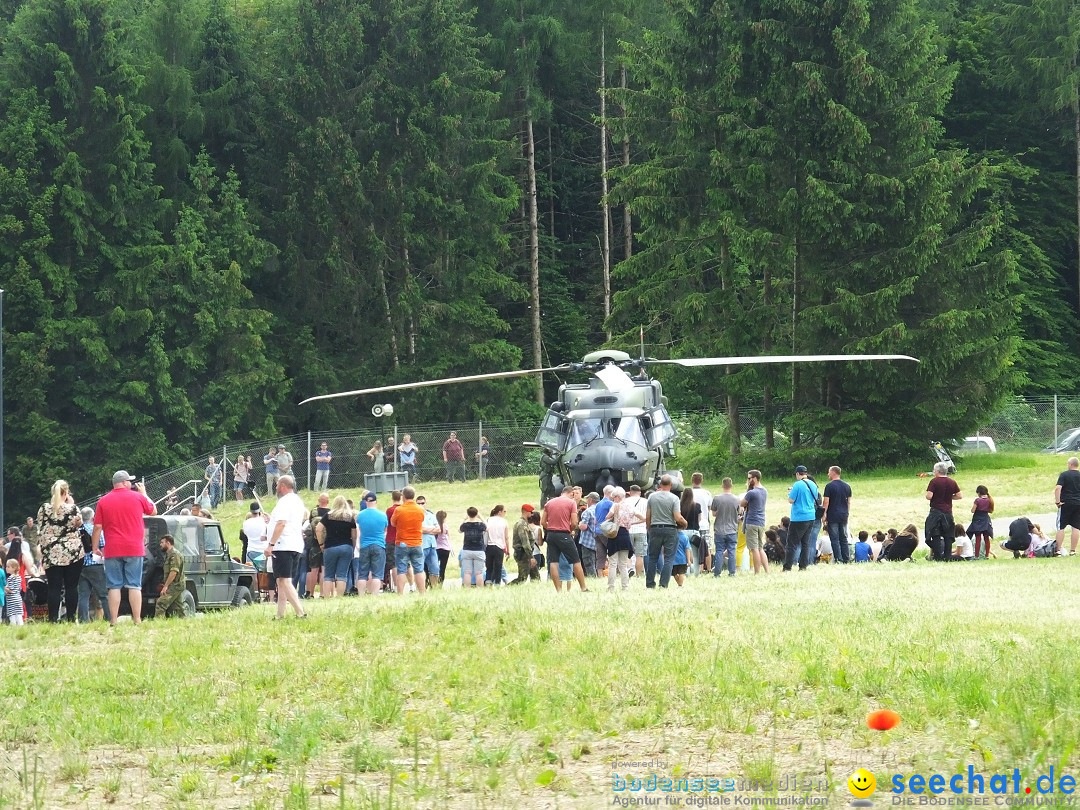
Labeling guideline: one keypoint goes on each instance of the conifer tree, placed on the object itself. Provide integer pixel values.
(796, 154)
(84, 254)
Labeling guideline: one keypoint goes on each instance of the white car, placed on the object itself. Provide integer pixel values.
(978, 444)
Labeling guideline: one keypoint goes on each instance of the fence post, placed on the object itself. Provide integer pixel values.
(395, 450)
(479, 447)
(1055, 420)
(307, 463)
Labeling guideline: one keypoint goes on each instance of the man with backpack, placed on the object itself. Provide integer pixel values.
(804, 499)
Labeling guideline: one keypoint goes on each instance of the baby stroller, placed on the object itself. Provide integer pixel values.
(943, 455)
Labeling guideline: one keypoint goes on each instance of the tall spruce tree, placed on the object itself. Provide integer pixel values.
(84, 253)
(795, 152)
(991, 115)
(391, 201)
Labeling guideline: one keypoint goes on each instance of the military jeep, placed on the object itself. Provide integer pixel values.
(213, 579)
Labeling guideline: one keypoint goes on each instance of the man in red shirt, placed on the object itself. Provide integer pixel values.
(120, 515)
(408, 522)
(453, 456)
(558, 518)
(941, 492)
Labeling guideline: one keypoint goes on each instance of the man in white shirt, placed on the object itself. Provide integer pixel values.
(287, 543)
(255, 531)
(638, 532)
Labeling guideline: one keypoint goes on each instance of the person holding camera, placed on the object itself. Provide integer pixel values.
(120, 515)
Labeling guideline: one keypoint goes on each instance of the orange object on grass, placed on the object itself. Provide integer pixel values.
(882, 719)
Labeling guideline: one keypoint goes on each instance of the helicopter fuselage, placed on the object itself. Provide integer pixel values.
(615, 429)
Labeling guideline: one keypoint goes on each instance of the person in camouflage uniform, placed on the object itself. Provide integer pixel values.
(171, 600)
(523, 548)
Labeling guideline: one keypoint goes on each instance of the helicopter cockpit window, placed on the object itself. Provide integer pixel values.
(662, 430)
(628, 428)
(552, 433)
(585, 430)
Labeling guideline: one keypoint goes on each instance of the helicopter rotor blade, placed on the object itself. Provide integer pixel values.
(427, 383)
(694, 362)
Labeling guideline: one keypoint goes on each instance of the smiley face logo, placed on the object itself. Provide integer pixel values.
(862, 784)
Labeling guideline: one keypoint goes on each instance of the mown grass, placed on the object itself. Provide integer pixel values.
(520, 696)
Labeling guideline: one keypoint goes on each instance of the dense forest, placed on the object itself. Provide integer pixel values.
(211, 210)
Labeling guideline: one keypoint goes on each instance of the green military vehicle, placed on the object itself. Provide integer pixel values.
(214, 579)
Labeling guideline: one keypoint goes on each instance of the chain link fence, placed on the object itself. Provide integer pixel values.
(1032, 423)
(1023, 424)
(354, 454)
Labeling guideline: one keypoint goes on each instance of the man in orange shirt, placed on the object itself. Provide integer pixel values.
(408, 522)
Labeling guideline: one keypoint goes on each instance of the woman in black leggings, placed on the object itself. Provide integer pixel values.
(59, 522)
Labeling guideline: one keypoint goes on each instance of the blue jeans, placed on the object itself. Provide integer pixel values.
(728, 543)
(431, 562)
(215, 495)
(665, 538)
(371, 562)
(566, 570)
(838, 536)
(300, 577)
(337, 560)
(407, 557)
(92, 578)
(350, 579)
(124, 572)
(799, 544)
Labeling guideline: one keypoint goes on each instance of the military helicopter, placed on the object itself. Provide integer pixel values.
(614, 429)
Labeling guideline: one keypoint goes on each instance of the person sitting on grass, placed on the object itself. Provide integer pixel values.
(824, 550)
(774, 547)
(862, 548)
(877, 543)
(962, 547)
(904, 545)
(1041, 545)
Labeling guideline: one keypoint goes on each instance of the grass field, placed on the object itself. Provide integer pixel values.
(521, 697)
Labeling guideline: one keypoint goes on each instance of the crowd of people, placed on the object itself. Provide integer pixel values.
(341, 548)
(278, 461)
(621, 533)
(64, 548)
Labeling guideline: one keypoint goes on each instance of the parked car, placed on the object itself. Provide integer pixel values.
(978, 444)
(214, 579)
(1066, 442)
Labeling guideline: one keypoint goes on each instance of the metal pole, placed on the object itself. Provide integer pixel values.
(479, 448)
(307, 464)
(397, 466)
(2, 524)
(1052, 440)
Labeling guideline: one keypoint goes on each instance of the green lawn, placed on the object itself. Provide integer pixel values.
(521, 697)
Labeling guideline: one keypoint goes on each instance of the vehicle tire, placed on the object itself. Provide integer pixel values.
(189, 604)
(242, 596)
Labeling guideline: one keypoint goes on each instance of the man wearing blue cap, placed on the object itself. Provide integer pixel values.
(803, 497)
